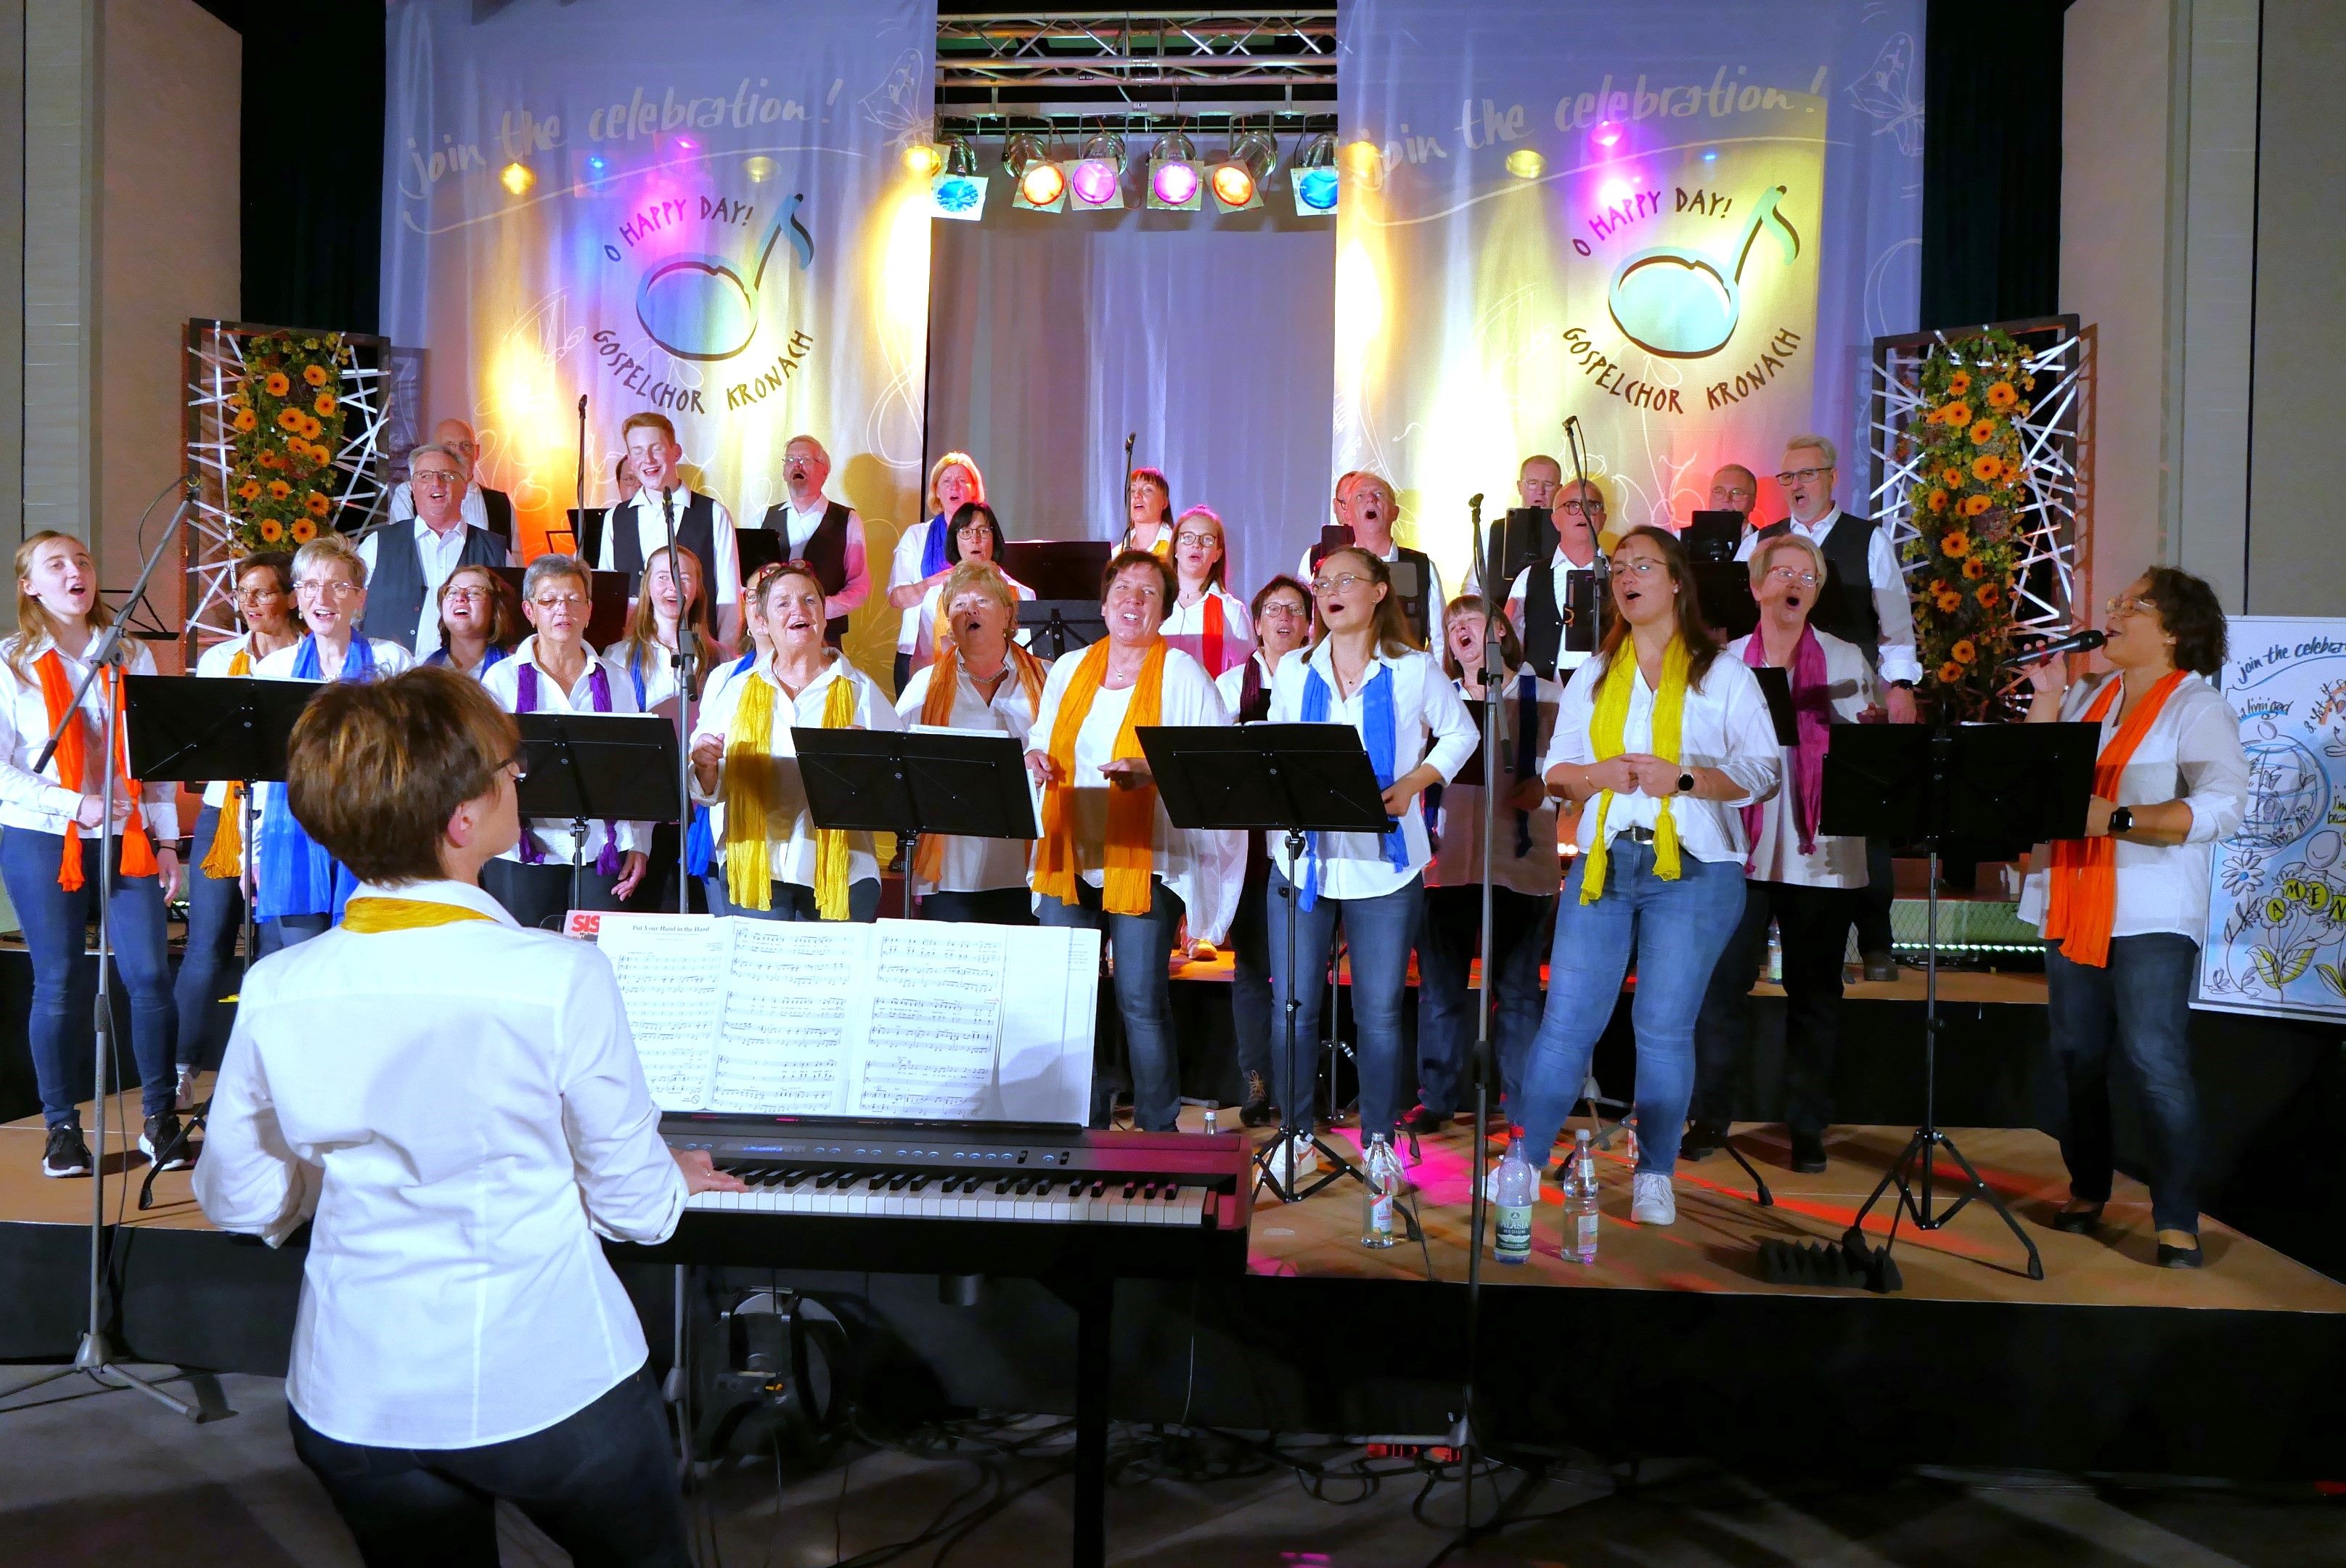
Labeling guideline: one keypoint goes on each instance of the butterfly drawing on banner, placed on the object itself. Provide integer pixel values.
(702, 306)
(1890, 96)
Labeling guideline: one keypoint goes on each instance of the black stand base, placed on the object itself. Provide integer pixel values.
(1763, 1197)
(1914, 1173)
(1266, 1171)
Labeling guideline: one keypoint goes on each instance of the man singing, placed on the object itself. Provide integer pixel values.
(640, 525)
(1559, 592)
(407, 559)
(479, 1120)
(827, 534)
(487, 509)
(1366, 505)
(1734, 488)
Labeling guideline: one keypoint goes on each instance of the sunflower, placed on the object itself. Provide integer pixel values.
(1949, 673)
(1963, 652)
(249, 490)
(289, 418)
(304, 530)
(2001, 395)
(1955, 415)
(246, 419)
(278, 490)
(1975, 505)
(276, 385)
(323, 452)
(267, 459)
(1982, 432)
(1959, 383)
(1975, 568)
(324, 404)
(1955, 544)
(1951, 477)
(311, 427)
(272, 532)
(1988, 594)
(314, 374)
(1938, 501)
(316, 503)
(1987, 467)
(1950, 601)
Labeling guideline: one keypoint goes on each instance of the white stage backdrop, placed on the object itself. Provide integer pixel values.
(699, 209)
(1682, 221)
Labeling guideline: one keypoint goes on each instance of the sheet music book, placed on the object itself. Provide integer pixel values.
(908, 1019)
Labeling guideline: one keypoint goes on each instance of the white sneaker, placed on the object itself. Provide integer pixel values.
(1651, 1201)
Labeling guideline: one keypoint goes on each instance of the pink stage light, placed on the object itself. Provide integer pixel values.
(1093, 181)
(1608, 134)
(1176, 184)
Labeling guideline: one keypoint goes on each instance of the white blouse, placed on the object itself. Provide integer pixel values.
(212, 665)
(1185, 628)
(905, 570)
(1429, 726)
(1231, 682)
(1835, 863)
(1538, 872)
(2191, 753)
(390, 660)
(792, 855)
(1204, 870)
(36, 801)
(975, 865)
(925, 631)
(503, 681)
(1724, 725)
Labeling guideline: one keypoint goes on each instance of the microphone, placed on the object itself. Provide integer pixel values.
(1474, 504)
(2086, 641)
(582, 404)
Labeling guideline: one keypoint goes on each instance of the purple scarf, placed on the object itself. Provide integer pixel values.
(599, 688)
(1812, 725)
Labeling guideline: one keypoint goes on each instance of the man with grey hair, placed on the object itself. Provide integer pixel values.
(825, 534)
(483, 508)
(1735, 488)
(408, 559)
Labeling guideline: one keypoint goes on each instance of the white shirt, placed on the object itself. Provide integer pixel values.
(1835, 863)
(791, 856)
(212, 665)
(1458, 847)
(390, 660)
(727, 672)
(461, 1109)
(1204, 870)
(2190, 753)
(1231, 683)
(1434, 601)
(1724, 724)
(1185, 628)
(474, 510)
(1561, 568)
(503, 681)
(36, 801)
(1896, 655)
(975, 865)
(925, 631)
(644, 511)
(439, 554)
(1429, 726)
(904, 569)
(797, 527)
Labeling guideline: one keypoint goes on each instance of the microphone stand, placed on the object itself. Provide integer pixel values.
(1123, 506)
(579, 520)
(95, 1357)
(681, 662)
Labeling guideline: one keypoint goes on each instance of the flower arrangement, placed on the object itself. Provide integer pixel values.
(1969, 492)
(284, 427)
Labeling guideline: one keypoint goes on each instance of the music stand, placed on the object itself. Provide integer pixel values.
(1997, 784)
(1059, 568)
(618, 767)
(1713, 536)
(1290, 779)
(607, 602)
(1521, 540)
(756, 548)
(911, 782)
(1723, 588)
(1063, 623)
(585, 530)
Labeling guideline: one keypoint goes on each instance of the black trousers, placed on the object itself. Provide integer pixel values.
(1813, 925)
(1873, 900)
(989, 906)
(601, 1482)
(538, 896)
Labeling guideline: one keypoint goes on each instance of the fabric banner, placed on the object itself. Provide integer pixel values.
(702, 211)
(1681, 222)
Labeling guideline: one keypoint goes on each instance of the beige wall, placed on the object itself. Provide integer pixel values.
(12, 286)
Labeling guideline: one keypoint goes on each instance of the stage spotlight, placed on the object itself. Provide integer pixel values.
(1097, 180)
(1174, 182)
(1365, 163)
(1608, 134)
(923, 159)
(517, 178)
(1311, 178)
(759, 169)
(1525, 163)
(1042, 184)
(1237, 181)
(957, 191)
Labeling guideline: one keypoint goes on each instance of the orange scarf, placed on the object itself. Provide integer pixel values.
(225, 858)
(2084, 887)
(936, 709)
(72, 759)
(1131, 853)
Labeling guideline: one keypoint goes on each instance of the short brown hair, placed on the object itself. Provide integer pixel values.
(2190, 611)
(1511, 647)
(1126, 560)
(375, 771)
(649, 420)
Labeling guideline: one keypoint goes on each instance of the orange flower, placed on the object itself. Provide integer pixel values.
(1955, 544)
(1955, 415)
(278, 490)
(249, 490)
(2001, 395)
(324, 403)
(289, 418)
(1959, 383)
(272, 532)
(267, 459)
(1987, 467)
(276, 385)
(314, 374)
(1950, 601)
(246, 419)
(1938, 501)
(1975, 505)
(1963, 652)
(1988, 594)
(1982, 432)
(1975, 568)
(304, 530)
(1951, 477)
(1949, 673)
(310, 428)
(316, 503)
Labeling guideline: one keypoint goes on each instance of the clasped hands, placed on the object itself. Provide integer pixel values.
(1635, 773)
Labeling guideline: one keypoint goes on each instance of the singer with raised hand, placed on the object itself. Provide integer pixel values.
(1662, 742)
(455, 1105)
(924, 555)
(2124, 909)
(665, 508)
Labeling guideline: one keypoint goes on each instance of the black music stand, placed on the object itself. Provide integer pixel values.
(910, 782)
(1062, 623)
(758, 548)
(607, 593)
(1059, 568)
(1991, 784)
(1519, 541)
(1724, 590)
(1290, 779)
(618, 767)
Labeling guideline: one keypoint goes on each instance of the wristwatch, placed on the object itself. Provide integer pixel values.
(1686, 783)
(2122, 820)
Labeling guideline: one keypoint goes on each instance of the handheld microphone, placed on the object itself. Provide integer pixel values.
(2086, 641)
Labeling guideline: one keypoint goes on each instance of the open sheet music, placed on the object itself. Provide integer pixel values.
(910, 1019)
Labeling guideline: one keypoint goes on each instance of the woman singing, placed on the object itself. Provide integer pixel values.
(1148, 514)
(672, 612)
(300, 888)
(264, 599)
(1661, 741)
(980, 680)
(925, 554)
(2124, 909)
(1207, 622)
(1523, 877)
(1364, 672)
(1282, 614)
(977, 537)
(778, 864)
(705, 852)
(1109, 858)
(478, 624)
(49, 824)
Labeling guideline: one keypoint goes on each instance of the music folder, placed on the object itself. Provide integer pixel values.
(183, 729)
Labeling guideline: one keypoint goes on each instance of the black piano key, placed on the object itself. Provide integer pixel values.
(901, 1180)
(793, 1178)
(920, 1181)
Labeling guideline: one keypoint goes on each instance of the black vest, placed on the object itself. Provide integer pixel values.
(825, 551)
(696, 530)
(395, 587)
(1414, 605)
(1546, 633)
(498, 506)
(1845, 603)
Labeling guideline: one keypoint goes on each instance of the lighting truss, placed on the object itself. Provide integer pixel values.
(1076, 69)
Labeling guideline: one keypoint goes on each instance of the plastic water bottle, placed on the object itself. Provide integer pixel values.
(1775, 971)
(1515, 1192)
(1580, 1203)
(1382, 1168)
(1213, 1117)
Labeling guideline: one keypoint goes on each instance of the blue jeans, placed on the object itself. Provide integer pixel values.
(57, 933)
(2141, 1003)
(1676, 930)
(215, 921)
(1140, 945)
(1379, 933)
(1252, 1017)
(795, 901)
(1446, 944)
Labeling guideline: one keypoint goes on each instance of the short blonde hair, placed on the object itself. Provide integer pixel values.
(978, 576)
(1788, 540)
(961, 459)
(1833, 454)
(333, 548)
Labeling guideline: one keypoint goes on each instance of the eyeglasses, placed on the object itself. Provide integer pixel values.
(1637, 568)
(469, 595)
(1343, 582)
(2130, 605)
(1792, 575)
(516, 766)
(1285, 610)
(1582, 508)
(560, 601)
(974, 531)
(335, 588)
(1805, 476)
(1193, 539)
(1733, 492)
(259, 595)
(435, 476)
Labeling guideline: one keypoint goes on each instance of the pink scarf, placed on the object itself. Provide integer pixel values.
(1812, 722)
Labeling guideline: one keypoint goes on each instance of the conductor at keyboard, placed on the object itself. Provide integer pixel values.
(456, 1104)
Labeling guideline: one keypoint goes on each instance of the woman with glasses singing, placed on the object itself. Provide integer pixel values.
(925, 553)
(1794, 875)
(2124, 909)
(1659, 742)
(1206, 621)
(478, 622)
(976, 537)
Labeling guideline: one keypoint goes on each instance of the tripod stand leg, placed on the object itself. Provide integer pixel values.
(2036, 1263)
(1766, 1199)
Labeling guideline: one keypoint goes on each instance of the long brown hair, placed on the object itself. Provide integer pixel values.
(505, 616)
(1392, 625)
(1701, 642)
(642, 640)
(33, 622)
(1511, 649)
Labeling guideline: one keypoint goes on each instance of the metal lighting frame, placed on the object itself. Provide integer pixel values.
(1070, 71)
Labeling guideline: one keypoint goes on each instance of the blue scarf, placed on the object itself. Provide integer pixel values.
(297, 876)
(935, 549)
(1377, 733)
(598, 692)
(700, 841)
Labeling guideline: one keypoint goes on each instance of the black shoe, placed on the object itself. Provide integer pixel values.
(66, 1155)
(2181, 1257)
(166, 1143)
(1880, 967)
(1809, 1153)
(1420, 1120)
(1257, 1111)
(1703, 1140)
(2080, 1222)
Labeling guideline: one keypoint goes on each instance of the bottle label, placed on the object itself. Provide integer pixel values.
(1381, 1216)
(1515, 1230)
(1587, 1229)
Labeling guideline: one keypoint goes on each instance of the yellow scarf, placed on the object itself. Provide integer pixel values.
(225, 858)
(936, 709)
(748, 791)
(1605, 727)
(1131, 853)
(369, 915)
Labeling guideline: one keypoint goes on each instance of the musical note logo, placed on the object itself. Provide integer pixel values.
(704, 307)
(1681, 303)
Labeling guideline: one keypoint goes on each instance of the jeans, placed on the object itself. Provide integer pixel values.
(1447, 941)
(1253, 1018)
(990, 906)
(1141, 946)
(1676, 948)
(215, 921)
(795, 901)
(57, 935)
(2143, 1000)
(538, 896)
(291, 930)
(1378, 932)
(601, 1482)
(1813, 924)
